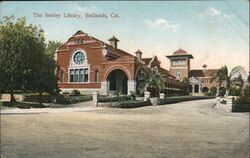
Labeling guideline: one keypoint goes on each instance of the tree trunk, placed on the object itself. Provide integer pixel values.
(40, 98)
(12, 98)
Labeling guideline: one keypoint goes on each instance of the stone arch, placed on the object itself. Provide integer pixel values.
(124, 69)
(196, 88)
(205, 89)
(117, 81)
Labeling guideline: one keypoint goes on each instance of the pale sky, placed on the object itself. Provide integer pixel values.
(216, 33)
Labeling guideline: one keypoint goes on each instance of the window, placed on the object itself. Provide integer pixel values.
(96, 76)
(178, 74)
(86, 75)
(61, 76)
(79, 57)
(79, 75)
(179, 62)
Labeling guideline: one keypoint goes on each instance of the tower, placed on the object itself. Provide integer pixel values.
(180, 64)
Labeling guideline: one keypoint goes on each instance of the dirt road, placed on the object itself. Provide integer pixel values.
(184, 130)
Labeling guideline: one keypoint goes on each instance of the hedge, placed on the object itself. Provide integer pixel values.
(61, 99)
(125, 104)
(114, 99)
(241, 108)
(170, 100)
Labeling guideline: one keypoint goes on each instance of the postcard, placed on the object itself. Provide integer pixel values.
(110, 79)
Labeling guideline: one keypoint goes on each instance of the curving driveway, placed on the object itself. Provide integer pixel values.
(184, 130)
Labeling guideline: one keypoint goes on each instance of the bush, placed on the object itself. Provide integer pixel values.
(35, 98)
(247, 90)
(242, 103)
(65, 99)
(177, 99)
(213, 91)
(222, 92)
(114, 99)
(235, 91)
(125, 104)
(133, 95)
(22, 105)
(75, 92)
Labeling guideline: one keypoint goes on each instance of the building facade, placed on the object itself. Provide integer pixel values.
(88, 64)
(200, 80)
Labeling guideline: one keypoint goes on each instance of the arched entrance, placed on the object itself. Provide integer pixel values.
(205, 89)
(141, 79)
(117, 81)
(196, 88)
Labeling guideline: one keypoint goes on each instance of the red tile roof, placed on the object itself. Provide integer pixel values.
(180, 52)
(202, 73)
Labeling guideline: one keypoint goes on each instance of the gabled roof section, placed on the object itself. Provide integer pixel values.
(79, 32)
(113, 39)
(180, 53)
(203, 73)
(147, 60)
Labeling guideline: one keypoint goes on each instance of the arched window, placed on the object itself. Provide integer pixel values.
(61, 76)
(97, 76)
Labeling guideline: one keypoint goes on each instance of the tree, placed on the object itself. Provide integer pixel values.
(238, 82)
(141, 81)
(222, 76)
(156, 82)
(51, 48)
(20, 49)
(185, 81)
(248, 79)
(23, 58)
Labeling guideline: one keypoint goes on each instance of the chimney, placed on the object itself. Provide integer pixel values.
(138, 54)
(113, 42)
(204, 67)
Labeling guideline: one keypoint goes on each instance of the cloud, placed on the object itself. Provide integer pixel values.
(213, 11)
(162, 23)
(86, 8)
(228, 17)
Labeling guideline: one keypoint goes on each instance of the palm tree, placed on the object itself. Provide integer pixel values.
(222, 76)
(156, 81)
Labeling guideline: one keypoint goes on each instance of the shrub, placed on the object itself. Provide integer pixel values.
(247, 90)
(114, 99)
(235, 91)
(35, 98)
(222, 92)
(75, 92)
(65, 99)
(22, 105)
(242, 103)
(126, 104)
(213, 91)
(133, 95)
(177, 99)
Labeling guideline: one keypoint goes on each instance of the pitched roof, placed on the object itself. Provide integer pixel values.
(147, 60)
(180, 52)
(202, 73)
(163, 71)
(113, 39)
